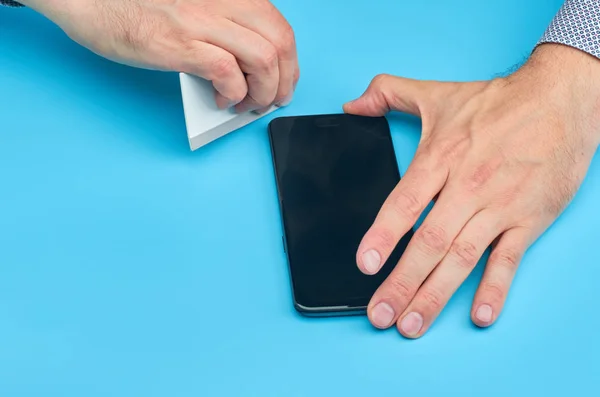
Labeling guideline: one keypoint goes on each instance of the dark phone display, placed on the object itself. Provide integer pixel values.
(333, 174)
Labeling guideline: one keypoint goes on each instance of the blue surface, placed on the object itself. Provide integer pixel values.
(130, 266)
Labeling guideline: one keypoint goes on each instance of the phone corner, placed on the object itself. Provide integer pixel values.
(274, 121)
(305, 310)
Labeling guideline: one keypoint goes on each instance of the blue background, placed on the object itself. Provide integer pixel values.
(130, 266)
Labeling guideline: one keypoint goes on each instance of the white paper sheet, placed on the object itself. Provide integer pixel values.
(205, 122)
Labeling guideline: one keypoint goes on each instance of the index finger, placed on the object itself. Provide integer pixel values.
(399, 213)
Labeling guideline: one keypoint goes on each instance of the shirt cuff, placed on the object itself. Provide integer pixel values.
(577, 25)
(10, 3)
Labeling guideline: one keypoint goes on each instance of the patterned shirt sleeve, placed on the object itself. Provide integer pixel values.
(577, 24)
(10, 3)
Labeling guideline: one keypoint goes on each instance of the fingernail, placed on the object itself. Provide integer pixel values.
(382, 315)
(371, 261)
(484, 313)
(411, 324)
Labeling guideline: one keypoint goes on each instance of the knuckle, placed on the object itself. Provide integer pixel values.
(493, 291)
(407, 205)
(223, 67)
(482, 174)
(286, 41)
(381, 80)
(506, 257)
(433, 300)
(267, 59)
(479, 177)
(465, 254)
(432, 239)
(402, 288)
(296, 76)
(385, 238)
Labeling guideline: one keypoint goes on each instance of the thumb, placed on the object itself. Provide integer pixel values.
(386, 93)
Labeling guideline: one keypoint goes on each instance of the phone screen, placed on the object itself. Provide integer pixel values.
(333, 174)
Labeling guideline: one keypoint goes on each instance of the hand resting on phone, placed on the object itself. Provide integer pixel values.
(504, 157)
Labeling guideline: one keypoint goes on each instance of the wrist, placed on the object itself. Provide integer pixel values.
(566, 62)
(568, 80)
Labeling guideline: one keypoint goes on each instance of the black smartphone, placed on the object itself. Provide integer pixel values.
(333, 174)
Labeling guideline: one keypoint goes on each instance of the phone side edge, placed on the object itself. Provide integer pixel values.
(281, 209)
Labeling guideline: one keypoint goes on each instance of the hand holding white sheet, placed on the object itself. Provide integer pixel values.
(205, 122)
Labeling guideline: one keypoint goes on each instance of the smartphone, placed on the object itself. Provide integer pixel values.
(333, 174)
